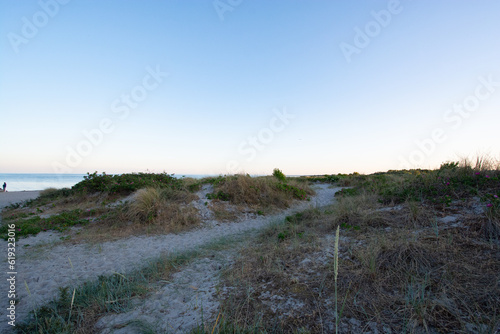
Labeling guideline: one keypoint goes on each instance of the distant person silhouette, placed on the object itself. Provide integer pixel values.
(4, 186)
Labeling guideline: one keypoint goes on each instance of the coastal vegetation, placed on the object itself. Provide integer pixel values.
(419, 251)
(409, 251)
(161, 202)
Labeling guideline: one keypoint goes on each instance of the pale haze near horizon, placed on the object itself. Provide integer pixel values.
(218, 87)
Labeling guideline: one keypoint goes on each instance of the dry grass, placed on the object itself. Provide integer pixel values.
(147, 206)
(482, 163)
(266, 269)
(49, 192)
(395, 273)
(151, 211)
(224, 212)
(399, 269)
(357, 210)
(237, 195)
(165, 210)
(261, 192)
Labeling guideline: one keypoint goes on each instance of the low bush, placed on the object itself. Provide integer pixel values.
(220, 195)
(259, 191)
(297, 193)
(347, 192)
(452, 181)
(279, 175)
(125, 183)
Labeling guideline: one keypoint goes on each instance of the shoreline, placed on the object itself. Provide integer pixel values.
(19, 191)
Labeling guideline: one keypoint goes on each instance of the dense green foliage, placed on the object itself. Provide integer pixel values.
(125, 183)
(279, 175)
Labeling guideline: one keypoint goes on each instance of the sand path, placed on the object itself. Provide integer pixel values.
(48, 264)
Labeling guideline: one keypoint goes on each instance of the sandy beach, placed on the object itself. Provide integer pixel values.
(9, 197)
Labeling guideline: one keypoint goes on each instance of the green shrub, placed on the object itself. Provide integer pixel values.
(452, 181)
(52, 193)
(324, 178)
(347, 192)
(332, 178)
(492, 204)
(296, 192)
(220, 195)
(279, 175)
(125, 183)
(215, 180)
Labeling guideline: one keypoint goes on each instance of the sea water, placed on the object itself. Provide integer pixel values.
(27, 182)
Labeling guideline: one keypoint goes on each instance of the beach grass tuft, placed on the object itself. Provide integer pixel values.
(166, 207)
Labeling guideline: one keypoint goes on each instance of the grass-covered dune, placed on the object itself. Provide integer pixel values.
(118, 205)
(417, 252)
(411, 251)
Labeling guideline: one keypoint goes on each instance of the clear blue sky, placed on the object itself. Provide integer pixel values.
(360, 86)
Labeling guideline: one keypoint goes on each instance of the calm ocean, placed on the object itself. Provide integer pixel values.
(23, 182)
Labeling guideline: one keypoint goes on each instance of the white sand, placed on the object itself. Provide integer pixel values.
(52, 264)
